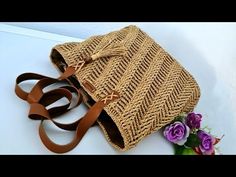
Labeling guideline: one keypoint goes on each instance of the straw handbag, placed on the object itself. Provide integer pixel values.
(130, 84)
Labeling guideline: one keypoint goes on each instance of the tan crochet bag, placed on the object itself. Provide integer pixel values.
(139, 86)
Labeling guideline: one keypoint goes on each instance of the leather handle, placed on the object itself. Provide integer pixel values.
(83, 125)
(39, 100)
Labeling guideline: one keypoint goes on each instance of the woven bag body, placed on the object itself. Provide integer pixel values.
(153, 87)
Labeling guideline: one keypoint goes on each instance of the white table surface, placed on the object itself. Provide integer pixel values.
(210, 55)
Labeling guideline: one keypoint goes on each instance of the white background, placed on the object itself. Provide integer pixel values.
(207, 50)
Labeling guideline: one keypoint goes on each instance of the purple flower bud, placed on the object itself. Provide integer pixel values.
(177, 133)
(193, 120)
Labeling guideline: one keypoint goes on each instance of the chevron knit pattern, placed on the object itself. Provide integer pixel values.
(154, 88)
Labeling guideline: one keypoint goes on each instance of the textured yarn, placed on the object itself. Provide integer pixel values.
(154, 88)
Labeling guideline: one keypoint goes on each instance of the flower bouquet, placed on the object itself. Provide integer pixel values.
(188, 137)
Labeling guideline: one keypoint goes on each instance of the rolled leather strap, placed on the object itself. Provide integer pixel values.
(39, 100)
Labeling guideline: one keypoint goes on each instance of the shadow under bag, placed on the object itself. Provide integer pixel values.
(131, 85)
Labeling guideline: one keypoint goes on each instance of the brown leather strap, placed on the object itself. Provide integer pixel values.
(37, 90)
(85, 123)
(36, 95)
(82, 126)
(39, 100)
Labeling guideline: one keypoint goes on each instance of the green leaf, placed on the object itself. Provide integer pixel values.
(181, 150)
(178, 149)
(192, 141)
(188, 151)
(179, 118)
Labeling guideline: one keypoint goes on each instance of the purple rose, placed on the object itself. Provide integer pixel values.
(177, 133)
(193, 120)
(207, 143)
